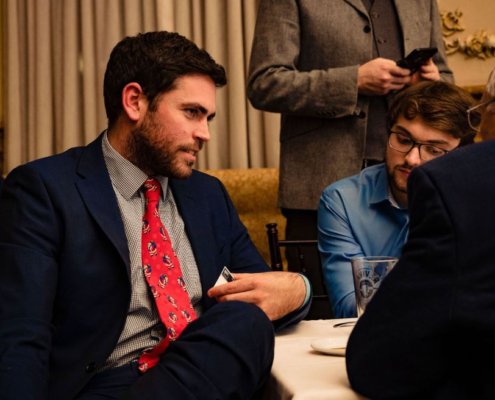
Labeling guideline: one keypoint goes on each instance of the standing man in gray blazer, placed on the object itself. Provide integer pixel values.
(329, 67)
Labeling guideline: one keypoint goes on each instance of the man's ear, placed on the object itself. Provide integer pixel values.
(133, 101)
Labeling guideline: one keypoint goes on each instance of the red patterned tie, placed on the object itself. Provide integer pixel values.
(162, 271)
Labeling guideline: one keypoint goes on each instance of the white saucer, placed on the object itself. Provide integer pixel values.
(334, 346)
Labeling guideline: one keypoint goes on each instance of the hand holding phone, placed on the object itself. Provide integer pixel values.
(416, 58)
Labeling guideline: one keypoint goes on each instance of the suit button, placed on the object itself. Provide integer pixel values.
(367, 29)
(91, 367)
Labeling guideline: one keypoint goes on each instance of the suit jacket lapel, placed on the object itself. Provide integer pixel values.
(97, 193)
(358, 5)
(408, 11)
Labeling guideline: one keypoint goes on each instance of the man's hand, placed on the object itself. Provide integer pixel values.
(276, 293)
(380, 76)
(427, 72)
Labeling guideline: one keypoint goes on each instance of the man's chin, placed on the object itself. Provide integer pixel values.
(400, 183)
(177, 170)
(181, 172)
(183, 175)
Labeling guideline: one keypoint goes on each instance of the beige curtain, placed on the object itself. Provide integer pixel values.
(55, 54)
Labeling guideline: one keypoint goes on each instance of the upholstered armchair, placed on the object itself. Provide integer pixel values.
(254, 193)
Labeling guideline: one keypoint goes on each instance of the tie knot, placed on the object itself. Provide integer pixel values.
(152, 189)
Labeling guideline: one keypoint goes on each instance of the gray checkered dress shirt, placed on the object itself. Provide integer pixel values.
(143, 328)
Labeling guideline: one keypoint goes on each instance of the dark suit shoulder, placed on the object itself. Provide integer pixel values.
(54, 162)
(463, 181)
(66, 164)
(467, 161)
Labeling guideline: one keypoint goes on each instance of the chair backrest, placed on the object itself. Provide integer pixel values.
(254, 194)
(305, 250)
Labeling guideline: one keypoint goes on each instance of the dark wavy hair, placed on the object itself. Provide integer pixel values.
(154, 60)
(441, 105)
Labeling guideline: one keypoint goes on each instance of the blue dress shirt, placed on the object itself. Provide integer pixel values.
(357, 216)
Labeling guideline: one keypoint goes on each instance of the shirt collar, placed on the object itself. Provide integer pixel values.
(394, 202)
(125, 176)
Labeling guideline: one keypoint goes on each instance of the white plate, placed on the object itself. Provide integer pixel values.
(344, 323)
(334, 346)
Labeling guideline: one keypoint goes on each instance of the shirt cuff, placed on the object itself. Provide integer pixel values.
(308, 291)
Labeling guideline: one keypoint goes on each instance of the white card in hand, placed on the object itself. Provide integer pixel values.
(225, 276)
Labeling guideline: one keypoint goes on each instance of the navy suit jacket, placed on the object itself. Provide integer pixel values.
(64, 267)
(429, 332)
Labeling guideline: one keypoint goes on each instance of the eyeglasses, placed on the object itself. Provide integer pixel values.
(474, 114)
(404, 144)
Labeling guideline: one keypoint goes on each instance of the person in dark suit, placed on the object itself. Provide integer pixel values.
(429, 332)
(75, 309)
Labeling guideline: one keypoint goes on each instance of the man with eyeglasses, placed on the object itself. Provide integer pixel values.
(366, 214)
(429, 332)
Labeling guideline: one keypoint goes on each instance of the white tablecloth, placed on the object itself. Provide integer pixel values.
(301, 373)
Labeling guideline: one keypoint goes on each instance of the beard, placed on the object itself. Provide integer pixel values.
(398, 183)
(149, 149)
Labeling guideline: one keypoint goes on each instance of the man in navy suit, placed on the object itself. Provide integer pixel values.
(75, 309)
(429, 332)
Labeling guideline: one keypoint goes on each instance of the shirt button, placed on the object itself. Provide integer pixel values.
(91, 367)
(367, 29)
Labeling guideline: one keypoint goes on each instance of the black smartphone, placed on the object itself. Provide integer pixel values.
(416, 58)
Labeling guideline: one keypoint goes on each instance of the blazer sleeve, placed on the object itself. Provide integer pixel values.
(28, 276)
(399, 347)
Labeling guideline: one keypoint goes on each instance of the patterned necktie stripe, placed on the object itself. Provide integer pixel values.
(163, 273)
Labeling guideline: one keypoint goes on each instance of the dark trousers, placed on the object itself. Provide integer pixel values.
(226, 353)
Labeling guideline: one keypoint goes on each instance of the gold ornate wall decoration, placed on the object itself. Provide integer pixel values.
(451, 22)
(479, 45)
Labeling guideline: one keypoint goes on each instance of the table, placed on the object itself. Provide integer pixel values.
(301, 373)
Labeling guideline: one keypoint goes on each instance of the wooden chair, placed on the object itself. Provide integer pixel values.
(320, 307)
